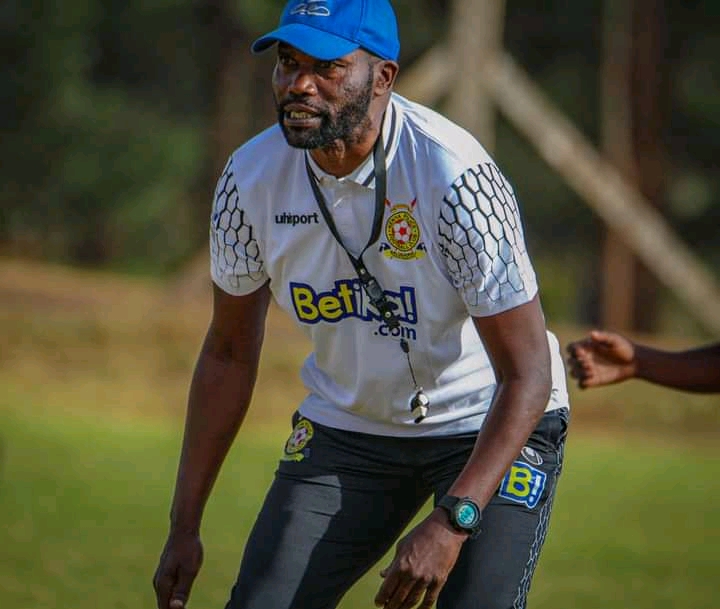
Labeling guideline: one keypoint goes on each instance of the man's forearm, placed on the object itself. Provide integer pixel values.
(693, 370)
(516, 410)
(220, 394)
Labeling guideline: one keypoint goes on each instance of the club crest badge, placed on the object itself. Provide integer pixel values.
(296, 445)
(402, 233)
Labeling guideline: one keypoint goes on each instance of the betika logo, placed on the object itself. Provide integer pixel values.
(347, 299)
(294, 219)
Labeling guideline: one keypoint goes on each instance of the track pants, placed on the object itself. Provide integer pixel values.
(340, 500)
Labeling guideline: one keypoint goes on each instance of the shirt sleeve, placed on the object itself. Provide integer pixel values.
(236, 265)
(481, 239)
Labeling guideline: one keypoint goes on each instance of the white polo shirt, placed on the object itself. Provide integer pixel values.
(451, 246)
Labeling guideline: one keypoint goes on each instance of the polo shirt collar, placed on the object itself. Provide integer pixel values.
(364, 175)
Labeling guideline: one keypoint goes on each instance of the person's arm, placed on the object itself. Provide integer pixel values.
(220, 394)
(603, 358)
(517, 344)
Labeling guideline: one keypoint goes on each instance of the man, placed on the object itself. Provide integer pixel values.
(602, 358)
(393, 239)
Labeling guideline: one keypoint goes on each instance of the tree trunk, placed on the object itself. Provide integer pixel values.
(476, 36)
(633, 113)
(650, 97)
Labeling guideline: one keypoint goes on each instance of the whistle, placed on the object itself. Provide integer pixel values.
(419, 405)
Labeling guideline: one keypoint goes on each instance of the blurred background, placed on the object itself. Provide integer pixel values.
(116, 119)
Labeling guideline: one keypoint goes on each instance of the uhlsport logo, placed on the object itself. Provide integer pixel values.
(402, 233)
(531, 455)
(295, 219)
(347, 299)
(312, 9)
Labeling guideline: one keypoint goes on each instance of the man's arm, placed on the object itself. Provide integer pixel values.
(517, 344)
(603, 358)
(220, 394)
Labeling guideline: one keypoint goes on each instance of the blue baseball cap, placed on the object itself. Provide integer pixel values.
(328, 29)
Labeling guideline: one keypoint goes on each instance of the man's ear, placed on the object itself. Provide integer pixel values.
(385, 76)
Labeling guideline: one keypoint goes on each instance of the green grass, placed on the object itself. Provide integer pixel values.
(84, 501)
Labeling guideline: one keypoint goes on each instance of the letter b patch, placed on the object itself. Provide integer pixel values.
(523, 484)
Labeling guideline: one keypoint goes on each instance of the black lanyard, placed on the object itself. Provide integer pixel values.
(369, 283)
(419, 402)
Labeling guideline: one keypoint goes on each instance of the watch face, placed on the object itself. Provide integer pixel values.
(467, 514)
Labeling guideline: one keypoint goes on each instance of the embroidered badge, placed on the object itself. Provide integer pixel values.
(313, 9)
(523, 484)
(295, 447)
(531, 455)
(402, 233)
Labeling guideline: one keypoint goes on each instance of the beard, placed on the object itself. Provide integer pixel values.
(345, 125)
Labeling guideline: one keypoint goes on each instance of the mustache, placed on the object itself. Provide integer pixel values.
(299, 99)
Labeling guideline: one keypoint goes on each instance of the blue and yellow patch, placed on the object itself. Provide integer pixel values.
(523, 484)
(296, 445)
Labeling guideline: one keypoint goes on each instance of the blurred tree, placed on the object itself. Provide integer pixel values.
(634, 95)
(116, 116)
(232, 82)
(476, 34)
(94, 136)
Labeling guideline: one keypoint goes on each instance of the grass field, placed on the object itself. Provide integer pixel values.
(84, 504)
(93, 375)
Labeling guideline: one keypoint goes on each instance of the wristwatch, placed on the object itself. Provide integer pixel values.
(464, 514)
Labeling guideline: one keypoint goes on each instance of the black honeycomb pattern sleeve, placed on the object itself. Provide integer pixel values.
(235, 261)
(481, 239)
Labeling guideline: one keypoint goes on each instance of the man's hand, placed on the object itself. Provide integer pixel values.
(179, 565)
(422, 563)
(601, 359)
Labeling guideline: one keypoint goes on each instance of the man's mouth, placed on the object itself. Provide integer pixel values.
(300, 118)
(295, 115)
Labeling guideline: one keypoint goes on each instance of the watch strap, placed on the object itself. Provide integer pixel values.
(450, 504)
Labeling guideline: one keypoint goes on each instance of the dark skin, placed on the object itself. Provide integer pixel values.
(517, 345)
(226, 369)
(307, 87)
(220, 393)
(307, 90)
(603, 358)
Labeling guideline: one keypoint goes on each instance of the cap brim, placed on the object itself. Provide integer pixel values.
(308, 40)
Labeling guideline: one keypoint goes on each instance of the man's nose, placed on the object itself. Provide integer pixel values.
(302, 82)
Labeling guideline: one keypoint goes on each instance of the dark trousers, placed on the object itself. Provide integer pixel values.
(340, 500)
